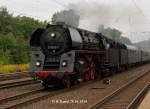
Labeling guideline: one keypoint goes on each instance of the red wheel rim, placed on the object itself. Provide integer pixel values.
(82, 78)
(87, 76)
(67, 83)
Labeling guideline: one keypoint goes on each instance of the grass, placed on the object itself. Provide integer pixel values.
(13, 68)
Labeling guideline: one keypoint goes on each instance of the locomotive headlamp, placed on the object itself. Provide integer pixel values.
(53, 35)
(81, 62)
(64, 63)
(38, 63)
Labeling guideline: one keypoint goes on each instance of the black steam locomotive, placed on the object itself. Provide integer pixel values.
(63, 55)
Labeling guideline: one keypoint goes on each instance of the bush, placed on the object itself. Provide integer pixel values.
(14, 68)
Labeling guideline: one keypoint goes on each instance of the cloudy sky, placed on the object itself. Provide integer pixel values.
(132, 17)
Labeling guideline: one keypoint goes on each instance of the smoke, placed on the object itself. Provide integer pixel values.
(121, 15)
(67, 16)
(91, 15)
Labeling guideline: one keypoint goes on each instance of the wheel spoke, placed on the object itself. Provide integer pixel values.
(93, 74)
(87, 76)
(67, 82)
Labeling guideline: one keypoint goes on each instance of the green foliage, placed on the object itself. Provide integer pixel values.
(15, 33)
(4, 57)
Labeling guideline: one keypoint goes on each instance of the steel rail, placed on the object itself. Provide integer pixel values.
(114, 93)
(23, 100)
(139, 97)
(17, 84)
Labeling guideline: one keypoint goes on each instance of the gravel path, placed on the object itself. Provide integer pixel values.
(83, 97)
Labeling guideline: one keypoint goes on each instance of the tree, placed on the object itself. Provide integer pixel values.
(14, 35)
(4, 56)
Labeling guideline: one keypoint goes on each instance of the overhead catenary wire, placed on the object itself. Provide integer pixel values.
(141, 11)
(61, 4)
(65, 6)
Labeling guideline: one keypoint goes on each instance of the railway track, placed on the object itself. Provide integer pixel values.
(26, 98)
(11, 76)
(4, 85)
(14, 101)
(126, 97)
(34, 96)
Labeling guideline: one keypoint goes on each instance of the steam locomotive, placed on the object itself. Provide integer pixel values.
(63, 55)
